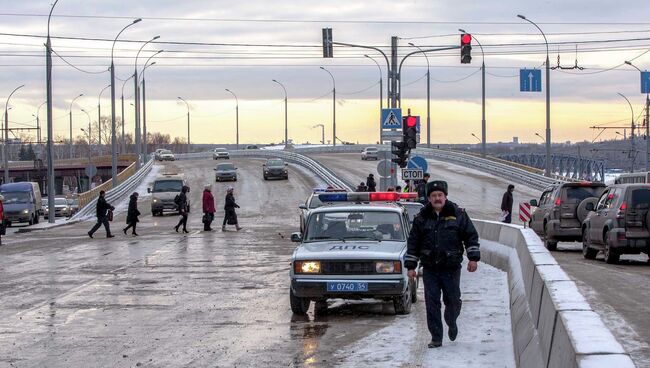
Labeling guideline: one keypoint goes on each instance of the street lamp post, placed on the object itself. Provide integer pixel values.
(136, 88)
(547, 171)
(236, 117)
(123, 143)
(144, 105)
(633, 149)
(99, 119)
(381, 94)
(70, 112)
(50, 144)
(322, 126)
(38, 126)
(89, 144)
(286, 124)
(113, 138)
(483, 124)
(428, 95)
(333, 107)
(6, 151)
(647, 122)
(188, 123)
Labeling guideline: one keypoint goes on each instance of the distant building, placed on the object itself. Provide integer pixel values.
(515, 140)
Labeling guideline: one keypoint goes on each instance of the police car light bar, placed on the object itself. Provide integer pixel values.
(365, 196)
(328, 190)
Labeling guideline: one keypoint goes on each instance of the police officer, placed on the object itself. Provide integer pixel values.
(437, 237)
(421, 188)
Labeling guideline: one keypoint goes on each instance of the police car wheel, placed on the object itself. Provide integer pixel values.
(403, 303)
(298, 305)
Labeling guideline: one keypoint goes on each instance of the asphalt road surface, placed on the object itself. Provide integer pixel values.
(619, 293)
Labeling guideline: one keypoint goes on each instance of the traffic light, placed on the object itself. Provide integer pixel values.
(465, 48)
(400, 151)
(409, 130)
(328, 49)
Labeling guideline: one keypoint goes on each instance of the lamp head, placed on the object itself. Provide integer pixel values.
(461, 30)
(628, 62)
(521, 16)
(137, 20)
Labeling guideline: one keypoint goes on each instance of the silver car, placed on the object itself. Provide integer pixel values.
(220, 153)
(370, 153)
(225, 172)
(352, 251)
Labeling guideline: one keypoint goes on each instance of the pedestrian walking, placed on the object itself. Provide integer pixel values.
(506, 204)
(230, 217)
(437, 237)
(181, 202)
(208, 208)
(132, 214)
(421, 188)
(362, 187)
(371, 184)
(104, 212)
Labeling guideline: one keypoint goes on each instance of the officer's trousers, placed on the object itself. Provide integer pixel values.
(447, 282)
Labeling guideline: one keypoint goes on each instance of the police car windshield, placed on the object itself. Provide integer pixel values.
(355, 225)
(168, 186)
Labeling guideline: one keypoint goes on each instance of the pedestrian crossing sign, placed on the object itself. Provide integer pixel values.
(391, 118)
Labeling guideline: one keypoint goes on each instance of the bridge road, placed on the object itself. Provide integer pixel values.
(202, 299)
(619, 293)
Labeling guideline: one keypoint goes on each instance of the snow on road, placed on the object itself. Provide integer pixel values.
(484, 339)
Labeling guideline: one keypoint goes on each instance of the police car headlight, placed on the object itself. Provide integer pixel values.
(388, 267)
(307, 267)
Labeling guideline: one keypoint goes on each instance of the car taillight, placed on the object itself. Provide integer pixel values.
(558, 202)
(621, 211)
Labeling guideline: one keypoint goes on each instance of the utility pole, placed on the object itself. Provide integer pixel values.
(50, 145)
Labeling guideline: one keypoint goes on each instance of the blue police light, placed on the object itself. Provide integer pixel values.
(333, 197)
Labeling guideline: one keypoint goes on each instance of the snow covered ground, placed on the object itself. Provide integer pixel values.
(484, 339)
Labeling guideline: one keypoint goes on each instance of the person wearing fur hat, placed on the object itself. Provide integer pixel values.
(230, 217)
(437, 237)
(132, 214)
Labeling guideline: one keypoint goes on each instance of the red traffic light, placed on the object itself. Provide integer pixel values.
(411, 121)
(465, 39)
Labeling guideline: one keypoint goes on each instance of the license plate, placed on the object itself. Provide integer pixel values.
(347, 286)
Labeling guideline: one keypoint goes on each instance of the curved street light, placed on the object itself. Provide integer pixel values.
(113, 138)
(286, 124)
(333, 106)
(188, 123)
(99, 119)
(647, 119)
(70, 112)
(50, 144)
(6, 143)
(547, 170)
(632, 153)
(322, 126)
(428, 93)
(145, 152)
(381, 92)
(38, 124)
(136, 88)
(236, 117)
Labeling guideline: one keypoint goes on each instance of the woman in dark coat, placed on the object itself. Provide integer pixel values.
(231, 216)
(132, 214)
(182, 209)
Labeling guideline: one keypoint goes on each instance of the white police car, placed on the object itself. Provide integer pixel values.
(353, 248)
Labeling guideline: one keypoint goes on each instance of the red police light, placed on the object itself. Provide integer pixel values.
(411, 121)
(466, 39)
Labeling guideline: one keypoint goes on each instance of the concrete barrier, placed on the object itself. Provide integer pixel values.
(553, 325)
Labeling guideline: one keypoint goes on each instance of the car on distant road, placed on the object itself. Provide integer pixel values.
(22, 202)
(618, 222)
(220, 153)
(560, 211)
(166, 155)
(156, 153)
(61, 208)
(251, 147)
(370, 153)
(352, 250)
(275, 168)
(225, 172)
(164, 191)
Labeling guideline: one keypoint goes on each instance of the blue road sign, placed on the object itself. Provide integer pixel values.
(417, 124)
(417, 162)
(645, 82)
(530, 80)
(391, 118)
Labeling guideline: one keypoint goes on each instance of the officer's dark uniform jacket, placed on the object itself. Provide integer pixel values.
(437, 240)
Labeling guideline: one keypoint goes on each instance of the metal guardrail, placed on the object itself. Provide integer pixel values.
(128, 182)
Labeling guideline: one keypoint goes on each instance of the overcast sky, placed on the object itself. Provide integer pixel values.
(212, 45)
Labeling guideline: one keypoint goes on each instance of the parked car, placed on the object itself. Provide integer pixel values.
(22, 202)
(225, 171)
(370, 153)
(275, 168)
(618, 222)
(218, 153)
(559, 216)
(165, 188)
(166, 155)
(61, 208)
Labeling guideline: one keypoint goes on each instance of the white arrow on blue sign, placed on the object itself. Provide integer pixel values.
(417, 162)
(645, 82)
(391, 118)
(530, 80)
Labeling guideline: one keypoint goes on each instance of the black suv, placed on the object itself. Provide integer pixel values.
(618, 223)
(561, 210)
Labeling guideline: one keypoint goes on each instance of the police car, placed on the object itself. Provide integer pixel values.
(353, 247)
